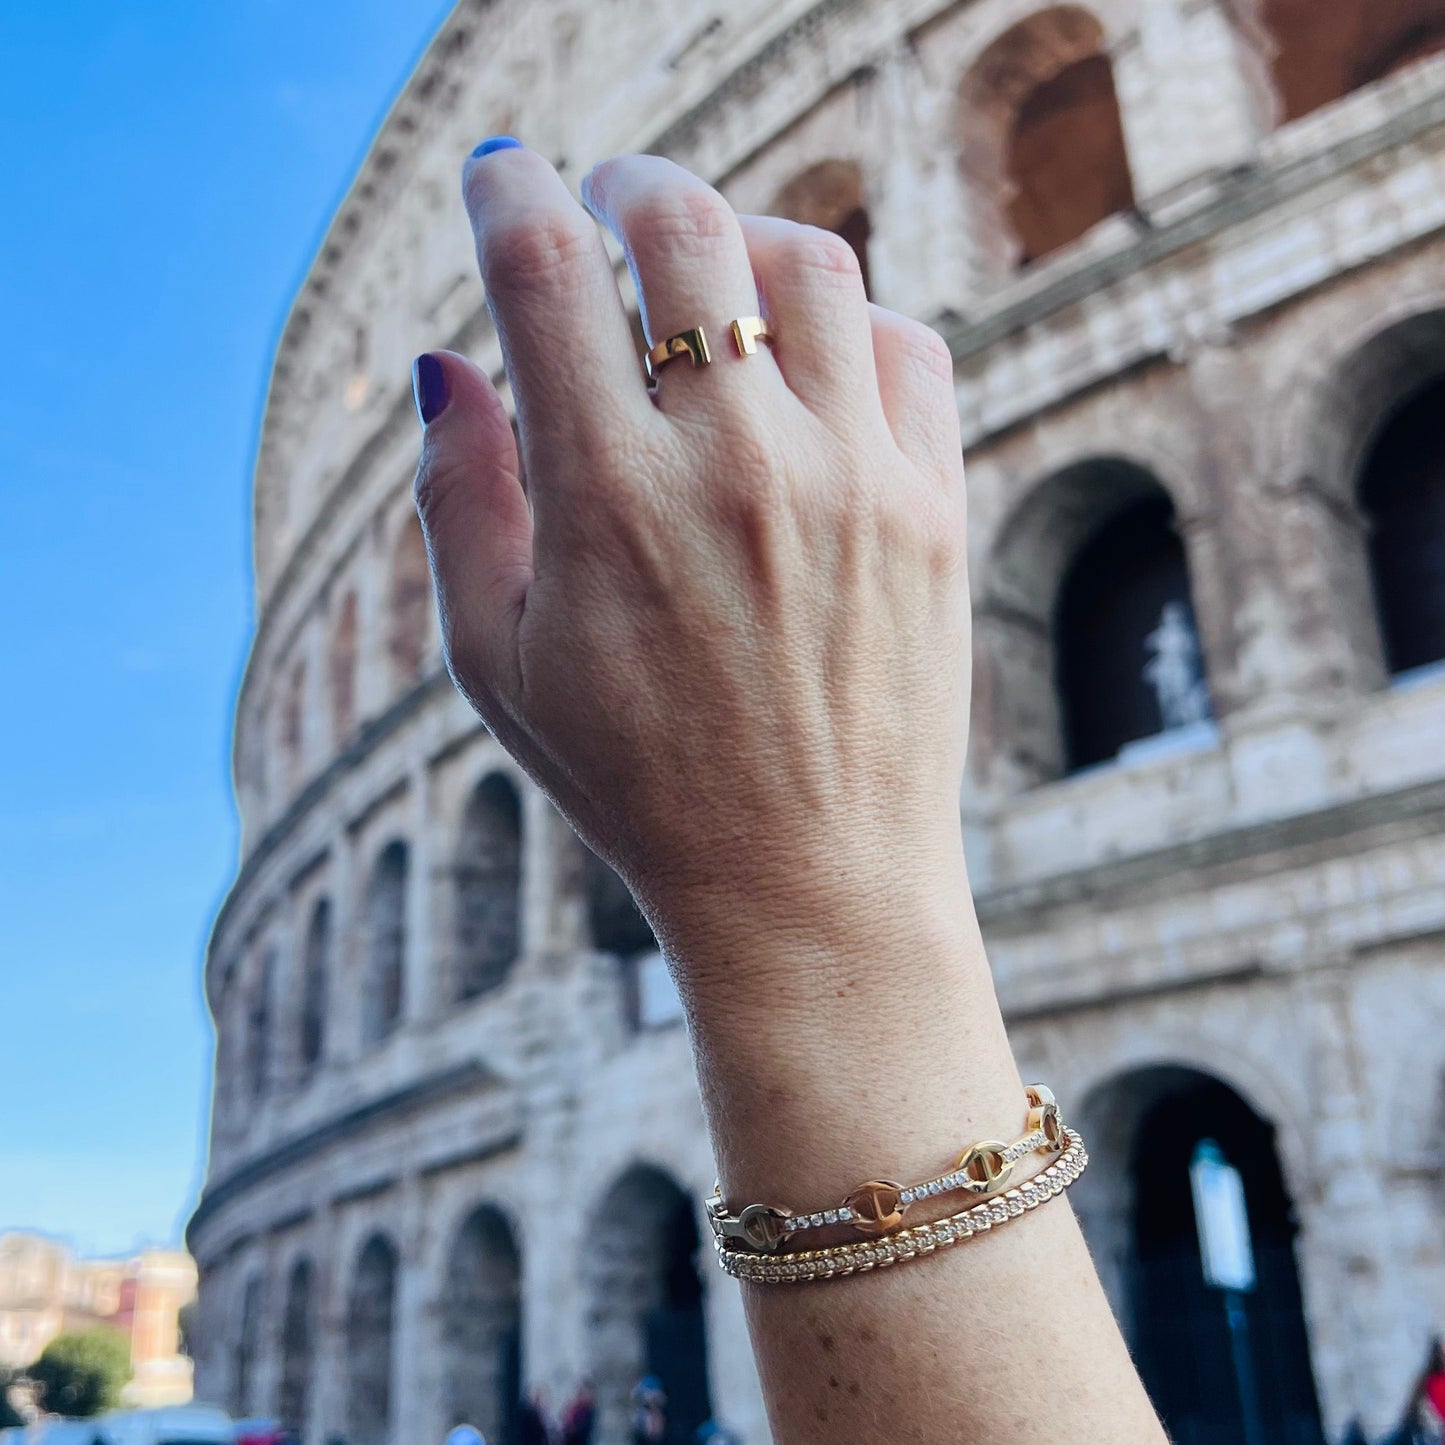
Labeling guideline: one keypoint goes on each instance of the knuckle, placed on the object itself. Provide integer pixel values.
(925, 351)
(689, 221)
(536, 255)
(815, 249)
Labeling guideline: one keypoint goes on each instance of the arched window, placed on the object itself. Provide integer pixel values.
(370, 1331)
(645, 1301)
(341, 666)
(248, 1340)
(1402, 495)
(315, 973)
(488, 882)
(650, 997)
(1321, 52)
(1128, 660)
(1086, 638)
(293, 723)
(258, 1028)
(1147, 1129)
(410, 606)
(830, 195)
(482, 1325)
(296, 1349)
(1041, 140)
(385, 944)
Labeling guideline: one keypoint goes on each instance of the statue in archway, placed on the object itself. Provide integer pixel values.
(1175, 669)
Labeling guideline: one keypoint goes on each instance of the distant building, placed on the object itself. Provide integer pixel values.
(1189, 257)
(45, 1289)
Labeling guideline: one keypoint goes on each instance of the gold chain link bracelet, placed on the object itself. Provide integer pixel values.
(911, 1243)
(878, 1207)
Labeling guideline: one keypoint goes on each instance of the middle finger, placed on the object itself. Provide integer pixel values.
(689, 263)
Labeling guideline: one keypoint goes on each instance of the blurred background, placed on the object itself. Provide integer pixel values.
(355, 1102)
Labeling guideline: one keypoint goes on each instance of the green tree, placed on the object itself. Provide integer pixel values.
(80, 1372)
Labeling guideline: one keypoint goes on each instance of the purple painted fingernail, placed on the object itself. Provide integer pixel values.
(496, 143)
(429, 387)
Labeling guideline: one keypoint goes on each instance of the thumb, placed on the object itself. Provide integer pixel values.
(477, 523)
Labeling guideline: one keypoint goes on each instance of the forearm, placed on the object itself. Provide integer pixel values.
(885, 1059)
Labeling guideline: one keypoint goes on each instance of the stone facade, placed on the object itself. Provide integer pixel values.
(450, 1151)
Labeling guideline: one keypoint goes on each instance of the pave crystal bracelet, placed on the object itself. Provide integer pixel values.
(911, 1243)
(878, 1207)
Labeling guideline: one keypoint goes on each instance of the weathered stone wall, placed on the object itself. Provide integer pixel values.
(1260, 902)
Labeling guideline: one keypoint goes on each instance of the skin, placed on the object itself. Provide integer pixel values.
(726, 628)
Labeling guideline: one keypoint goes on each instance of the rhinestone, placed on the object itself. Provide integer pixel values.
(1015, 1207)
(906, 1197)
(830, 1216)
(844, 1215)
(815, 1220)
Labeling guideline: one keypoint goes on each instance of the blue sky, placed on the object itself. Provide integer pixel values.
(168, 170)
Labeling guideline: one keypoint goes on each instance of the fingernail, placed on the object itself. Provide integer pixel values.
(429, 387)
(496, 143)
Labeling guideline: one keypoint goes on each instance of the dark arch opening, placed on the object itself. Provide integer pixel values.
(370, 1330)
(342, 669)
(315, 972)
(645, 1303)
(248, 1341)
(1128, 662)
(296, 1349)
(1138, 1213)
(385, 944)
(482, 1325)
(1402, 495)
(258, 1040)
(488, 887)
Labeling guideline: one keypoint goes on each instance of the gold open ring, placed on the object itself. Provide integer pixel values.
(692, 344)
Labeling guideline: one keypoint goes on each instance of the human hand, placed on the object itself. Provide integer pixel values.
(725, 627)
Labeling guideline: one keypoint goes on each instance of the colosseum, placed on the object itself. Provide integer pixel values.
(1189, 256)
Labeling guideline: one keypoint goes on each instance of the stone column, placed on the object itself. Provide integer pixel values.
(416, 1394)
(329, 1384)
(1188, 108)
(737, 1396)
(421, 986)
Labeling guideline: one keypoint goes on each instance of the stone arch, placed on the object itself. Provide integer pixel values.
(830, 195)
(341, 669)
(1135, 1206)
(244, 1400)
(371, 1343)
(617, 926)
(645, 1300)
(1041, 139)
(488, 878)
(481, 1319)
(297, 1347)
(1318, 54)
(315, 986)
(383, 984)
(1336, 446)
(1058, 545)
(259, 1043)
(410, 606)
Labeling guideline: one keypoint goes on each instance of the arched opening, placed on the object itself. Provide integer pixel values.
(315, 973)
(258, 1028)
(293, 724)
(370, 1328)
(488, 887)
(1137, 1209)
(410, 606)
(1086, 634)
(341, 666)
(385, 944)
(1402, 495)
(618, 927)
(830, 195)
(1321, 52)
(296, 1350)
(645, 1302)
(248, 1342)
(1128, 663)
(482, 1325)
(1041, 138)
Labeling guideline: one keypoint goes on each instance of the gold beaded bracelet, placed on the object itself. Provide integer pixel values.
(878, 1207)
(911, 1243)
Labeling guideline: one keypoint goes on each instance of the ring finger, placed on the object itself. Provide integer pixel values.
(688, 260)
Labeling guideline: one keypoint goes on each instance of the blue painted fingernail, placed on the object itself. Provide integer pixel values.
(429, 388)
(496, 143)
